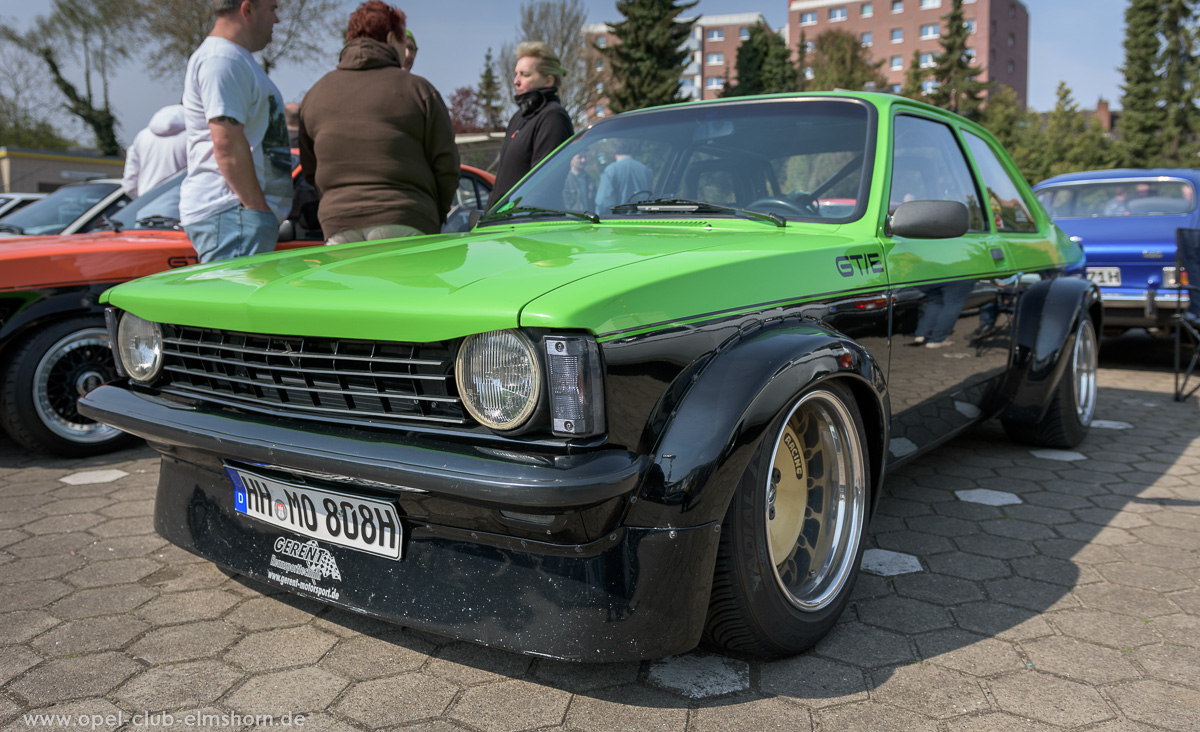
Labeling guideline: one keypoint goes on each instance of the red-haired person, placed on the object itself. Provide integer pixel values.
(376, 140)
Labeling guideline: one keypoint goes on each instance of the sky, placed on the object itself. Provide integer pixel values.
(1076, 41)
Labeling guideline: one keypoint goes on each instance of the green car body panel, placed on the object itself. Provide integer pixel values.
(769, 328)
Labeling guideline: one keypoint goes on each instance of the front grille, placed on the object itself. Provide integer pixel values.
(378, 382)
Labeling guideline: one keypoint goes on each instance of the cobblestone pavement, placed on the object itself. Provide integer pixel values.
(1006, 589)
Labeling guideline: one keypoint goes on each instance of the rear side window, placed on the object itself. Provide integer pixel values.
(1009, 211)
(1113, 198)
(928, 165)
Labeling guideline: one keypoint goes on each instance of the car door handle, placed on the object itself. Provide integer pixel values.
(997, 255)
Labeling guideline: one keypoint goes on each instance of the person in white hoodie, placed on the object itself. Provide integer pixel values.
(157, 152)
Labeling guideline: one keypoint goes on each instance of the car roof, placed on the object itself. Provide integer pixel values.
(1123, 174)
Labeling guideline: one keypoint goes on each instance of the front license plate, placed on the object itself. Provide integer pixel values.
(1104, 275)
(359, 523)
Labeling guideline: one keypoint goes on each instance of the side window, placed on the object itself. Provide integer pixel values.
(928, 165)
(1010, 212)
(465, 196)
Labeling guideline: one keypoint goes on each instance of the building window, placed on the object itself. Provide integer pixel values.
(715, 59)
(866, 40)
(927, 4)
(808, 73)
(599, 88)
(897, 6)
(809, 46)
(1012, 40)
(896, 88)
(971, 53)
(927, 61)
(1011, 67)
(897, 35)
(714, 82)
(744, 34)
(808, 18)
(929, 86)
(970, 25)
(601, 41)
(836, 15)
(929, 31)
(868, 10)
(600, 112)
(716, 34)
(599, 64)
(897, 63)
(1012, 10)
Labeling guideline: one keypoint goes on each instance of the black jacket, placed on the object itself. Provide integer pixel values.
(539, 126)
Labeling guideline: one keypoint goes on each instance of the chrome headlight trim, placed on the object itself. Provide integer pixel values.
(499, 378)
(139, 348)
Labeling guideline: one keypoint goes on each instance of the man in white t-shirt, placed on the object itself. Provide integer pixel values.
(239, 187)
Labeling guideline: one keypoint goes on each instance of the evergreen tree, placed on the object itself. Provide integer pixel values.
(1141, 117)
(763, 66)
(841, 62)
(913, 77)
(958, 88)
(1013, 127)
(488, 94)
(801, 65)
(1069, 142)
(647, 62)
(1177, 72)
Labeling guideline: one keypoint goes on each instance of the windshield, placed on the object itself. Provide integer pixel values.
(1113, 198)
(796, 159)
(157, 209)
(56, 211)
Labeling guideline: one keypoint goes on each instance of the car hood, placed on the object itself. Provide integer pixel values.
(30, 262)
(440, 287)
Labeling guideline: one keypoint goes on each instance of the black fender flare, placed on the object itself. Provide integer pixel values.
(714, 425)
(33, 309)
(1047, 314)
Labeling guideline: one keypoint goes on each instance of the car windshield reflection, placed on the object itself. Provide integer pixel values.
(56, 211)
(803, 160)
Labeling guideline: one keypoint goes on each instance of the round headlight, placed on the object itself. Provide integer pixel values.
(139, 344)
(498, 379)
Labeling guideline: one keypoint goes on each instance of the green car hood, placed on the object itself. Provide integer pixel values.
(437, 288)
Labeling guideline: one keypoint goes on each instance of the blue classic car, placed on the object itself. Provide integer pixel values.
(1126, 220)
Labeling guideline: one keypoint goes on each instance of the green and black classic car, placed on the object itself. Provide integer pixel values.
(620, 415)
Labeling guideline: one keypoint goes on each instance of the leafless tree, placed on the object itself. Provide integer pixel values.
(99, 35)
(303, 35)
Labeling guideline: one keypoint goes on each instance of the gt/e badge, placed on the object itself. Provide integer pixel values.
(849, 265)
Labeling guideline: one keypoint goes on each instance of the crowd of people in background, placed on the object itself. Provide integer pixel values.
(375, 140)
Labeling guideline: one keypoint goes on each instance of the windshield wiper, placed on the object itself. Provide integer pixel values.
(157, 221)
(532, 211)
(686, 205)
(12, 228)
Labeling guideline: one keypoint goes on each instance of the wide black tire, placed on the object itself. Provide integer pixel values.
(792, 539)
(1073, 404)
(47, 373)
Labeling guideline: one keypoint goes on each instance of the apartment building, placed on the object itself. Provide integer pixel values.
(712, 44)
(893, 29)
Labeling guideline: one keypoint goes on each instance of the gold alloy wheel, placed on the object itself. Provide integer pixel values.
(816, 501)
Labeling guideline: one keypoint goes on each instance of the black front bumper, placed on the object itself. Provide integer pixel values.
(632, 593)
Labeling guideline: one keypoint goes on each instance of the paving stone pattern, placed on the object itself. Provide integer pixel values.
(1006, 590)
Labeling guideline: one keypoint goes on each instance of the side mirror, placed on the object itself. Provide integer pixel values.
(930, 220)
(287, 231)
(473, 218)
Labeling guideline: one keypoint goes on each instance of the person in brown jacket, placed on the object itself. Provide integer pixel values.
(376, 140)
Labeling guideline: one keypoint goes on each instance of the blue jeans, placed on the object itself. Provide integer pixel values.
(234, 232)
